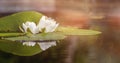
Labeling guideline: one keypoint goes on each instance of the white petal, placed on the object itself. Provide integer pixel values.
(55, 27)
(48, 29)
(41, 23)
(32, 26)
(29, 43)
(46, 45)
(51, 28)
(51, 25)
(43, 18)
(24, 27)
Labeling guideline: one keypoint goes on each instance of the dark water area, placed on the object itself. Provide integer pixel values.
(71, 50)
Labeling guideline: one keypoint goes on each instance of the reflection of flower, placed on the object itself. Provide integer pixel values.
(46, 45)
(29, 43)
(45, 25)
(43, 45)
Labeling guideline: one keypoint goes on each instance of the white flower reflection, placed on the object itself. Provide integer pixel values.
(43, 45)
(29, 43)
(46, 45)
(45, 25)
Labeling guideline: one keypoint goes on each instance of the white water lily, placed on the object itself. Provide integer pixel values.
(46, 45)
(48, 24)
(31, 26)
(45, 23)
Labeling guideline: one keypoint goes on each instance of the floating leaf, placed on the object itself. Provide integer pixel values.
(11, 34)
(38, 37)
(18, 49)
(12, 22)
(76, 31)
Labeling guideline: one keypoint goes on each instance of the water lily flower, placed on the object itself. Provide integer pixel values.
(45, 23)
(31, 26)
(46, 45)
(48, 24)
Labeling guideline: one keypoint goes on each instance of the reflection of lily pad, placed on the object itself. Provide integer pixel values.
(18, 49)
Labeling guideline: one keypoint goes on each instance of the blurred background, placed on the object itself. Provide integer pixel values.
(100, 15)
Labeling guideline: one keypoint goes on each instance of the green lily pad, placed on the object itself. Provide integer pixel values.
(38, 37)
(76, 31)
(12, 22)
(18, 49)
(11, 34)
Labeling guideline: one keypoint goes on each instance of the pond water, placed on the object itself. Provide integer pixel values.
(104, 48)
(73, 49)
